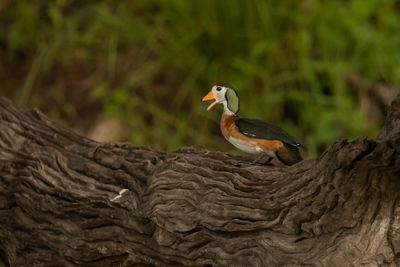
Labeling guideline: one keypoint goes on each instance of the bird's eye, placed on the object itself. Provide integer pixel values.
(219, 88)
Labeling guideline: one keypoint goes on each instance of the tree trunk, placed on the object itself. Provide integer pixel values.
(66, 200)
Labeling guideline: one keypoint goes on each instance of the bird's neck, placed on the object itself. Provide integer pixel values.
(227, 111)
(228, 117)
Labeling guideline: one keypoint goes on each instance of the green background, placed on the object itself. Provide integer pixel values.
(311, 67)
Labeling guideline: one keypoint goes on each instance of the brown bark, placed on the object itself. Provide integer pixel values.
(59, 202)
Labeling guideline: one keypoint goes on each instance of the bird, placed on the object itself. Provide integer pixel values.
(252, 136)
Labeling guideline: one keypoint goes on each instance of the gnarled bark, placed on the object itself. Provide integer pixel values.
(62, 202)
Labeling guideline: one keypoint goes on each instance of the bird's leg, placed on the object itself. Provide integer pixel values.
(268, 161)
(239, 164)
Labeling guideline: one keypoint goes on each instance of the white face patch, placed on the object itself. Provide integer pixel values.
(249, 147)
(219, 95)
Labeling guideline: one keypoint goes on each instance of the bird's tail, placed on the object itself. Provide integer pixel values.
(289, 154)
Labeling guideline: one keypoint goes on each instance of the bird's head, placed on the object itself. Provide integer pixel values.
(226, 95)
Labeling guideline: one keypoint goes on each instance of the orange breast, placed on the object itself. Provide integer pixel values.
(229, 129)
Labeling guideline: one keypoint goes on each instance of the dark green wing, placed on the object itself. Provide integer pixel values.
(263, 129)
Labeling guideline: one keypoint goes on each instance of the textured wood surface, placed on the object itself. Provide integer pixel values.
(67, 201)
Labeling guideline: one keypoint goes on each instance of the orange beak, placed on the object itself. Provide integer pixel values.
(209, 96)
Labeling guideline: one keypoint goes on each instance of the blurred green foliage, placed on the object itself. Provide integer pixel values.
(148, 63)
